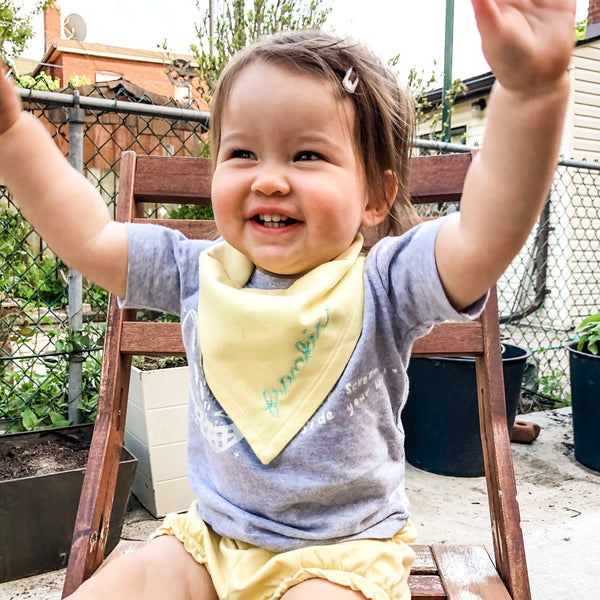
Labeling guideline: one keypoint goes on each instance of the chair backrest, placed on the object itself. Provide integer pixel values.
(176, 180)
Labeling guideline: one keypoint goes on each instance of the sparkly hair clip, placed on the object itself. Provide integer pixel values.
(347, 83)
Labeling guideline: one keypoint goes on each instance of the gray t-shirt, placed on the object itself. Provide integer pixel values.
(342, 476)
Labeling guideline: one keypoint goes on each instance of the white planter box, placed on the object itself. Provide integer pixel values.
(156, 434)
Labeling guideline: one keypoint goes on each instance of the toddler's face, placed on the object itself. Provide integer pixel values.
(289, 189)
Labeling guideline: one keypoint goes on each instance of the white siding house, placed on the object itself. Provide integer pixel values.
(581, 231)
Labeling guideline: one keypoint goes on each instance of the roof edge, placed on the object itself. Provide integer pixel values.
(477, 85)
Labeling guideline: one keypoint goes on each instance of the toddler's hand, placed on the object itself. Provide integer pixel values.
(10, 103)
(528, 43)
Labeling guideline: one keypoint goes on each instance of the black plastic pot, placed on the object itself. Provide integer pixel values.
(37, 514)
(441, 416)
(585, 400)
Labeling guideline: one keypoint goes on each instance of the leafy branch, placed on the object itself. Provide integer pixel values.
(15, 27)
(238, 25)
(589, 331)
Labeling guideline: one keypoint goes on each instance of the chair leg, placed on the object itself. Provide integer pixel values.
(95, 504)
(509, 548)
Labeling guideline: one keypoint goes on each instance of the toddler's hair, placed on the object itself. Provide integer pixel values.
(385, 122)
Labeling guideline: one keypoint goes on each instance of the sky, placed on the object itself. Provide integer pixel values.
(413, 29)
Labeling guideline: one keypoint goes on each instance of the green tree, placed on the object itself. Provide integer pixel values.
(238, 25)
(15, 27)
(420, 84)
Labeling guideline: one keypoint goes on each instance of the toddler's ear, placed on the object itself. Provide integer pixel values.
(375, 213)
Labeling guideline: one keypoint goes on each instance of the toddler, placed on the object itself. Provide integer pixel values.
(297, 343)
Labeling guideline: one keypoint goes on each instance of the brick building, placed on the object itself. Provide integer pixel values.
(99, 63)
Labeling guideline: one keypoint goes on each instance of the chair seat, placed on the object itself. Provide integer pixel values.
(455, 572)
(439, 572)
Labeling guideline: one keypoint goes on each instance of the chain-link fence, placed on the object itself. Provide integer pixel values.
(52, 322)
(553, 283)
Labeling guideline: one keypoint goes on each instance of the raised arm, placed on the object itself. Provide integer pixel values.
(528, 44)
(62, 206)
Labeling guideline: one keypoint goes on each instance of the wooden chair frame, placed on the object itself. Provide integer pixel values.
(185, 180)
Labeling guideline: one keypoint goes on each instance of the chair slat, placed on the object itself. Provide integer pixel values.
(451, 339)
(424, 562)
(152, 339)
(438, 178)
(426, 587)
(172, 180)
(468, 572)
(156, 339)
(175, 179)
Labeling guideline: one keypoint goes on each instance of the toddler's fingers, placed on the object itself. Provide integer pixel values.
(10, 103)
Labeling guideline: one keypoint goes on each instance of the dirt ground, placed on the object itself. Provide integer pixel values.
(559, 501)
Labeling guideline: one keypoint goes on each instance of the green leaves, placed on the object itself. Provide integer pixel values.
(75, 340)
(589, 331)
(30, 419)
(15, 27)
(42, 82)
(34, 395)
(238, 25)
(580, 29)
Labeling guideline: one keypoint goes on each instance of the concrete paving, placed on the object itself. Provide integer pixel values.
(560, 513)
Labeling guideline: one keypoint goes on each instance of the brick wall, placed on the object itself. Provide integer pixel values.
(52, 25)
(594, 12)
(140, 71)
(150, 76)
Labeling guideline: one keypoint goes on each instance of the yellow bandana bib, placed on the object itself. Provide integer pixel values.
(271, 357)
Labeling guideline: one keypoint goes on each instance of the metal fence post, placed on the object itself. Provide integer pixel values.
(76, 122)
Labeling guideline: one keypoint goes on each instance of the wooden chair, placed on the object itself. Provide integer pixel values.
(441, 571)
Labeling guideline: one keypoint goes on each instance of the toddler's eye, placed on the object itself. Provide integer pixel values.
(307, 155)
(242, 154)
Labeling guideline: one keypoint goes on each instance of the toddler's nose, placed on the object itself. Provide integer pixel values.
(270, 181)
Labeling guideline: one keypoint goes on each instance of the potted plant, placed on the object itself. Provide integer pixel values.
(584, 364)
(41, 476)
(441, 416)
(156, 433)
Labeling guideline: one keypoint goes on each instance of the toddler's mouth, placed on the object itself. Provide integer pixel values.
(274, 221)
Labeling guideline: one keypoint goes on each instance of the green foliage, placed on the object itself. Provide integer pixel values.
(47, 83)
(239, 25)
(589, 332)
(419, 84)
(42, 82)
(34, 394)
(92, 369)
(73, 341)
(580, 28)
(15, 27)
(553, 385)
(79, 80)
(192, 211)
(96, 296)
(21, 276)
(33, 398)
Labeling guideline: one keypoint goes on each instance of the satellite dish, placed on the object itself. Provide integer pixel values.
(74, 28)
(180, 72)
